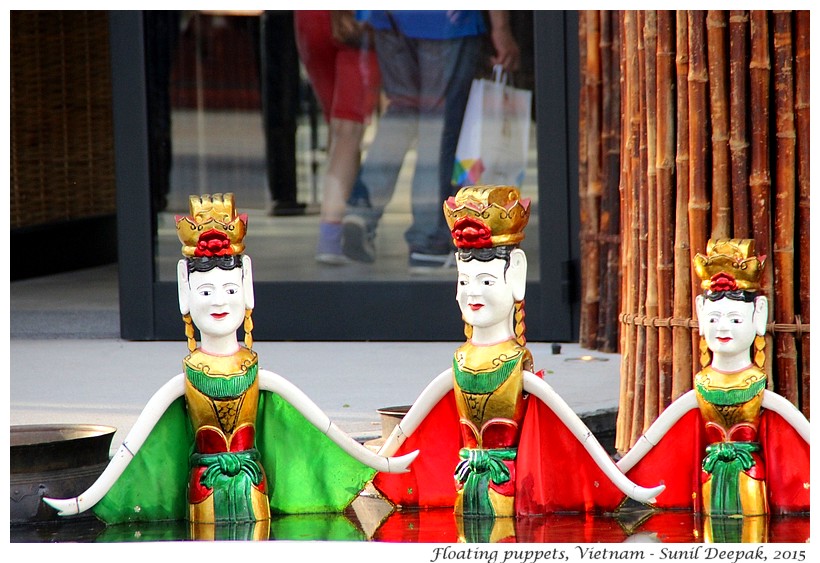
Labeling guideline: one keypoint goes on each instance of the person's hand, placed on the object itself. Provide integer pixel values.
(507, 53)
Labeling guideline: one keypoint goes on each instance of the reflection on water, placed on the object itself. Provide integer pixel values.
(749, 529)
(441, 526)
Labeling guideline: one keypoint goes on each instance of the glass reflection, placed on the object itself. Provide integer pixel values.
(231, 108)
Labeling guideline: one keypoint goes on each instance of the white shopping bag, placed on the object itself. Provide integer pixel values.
(495, 134)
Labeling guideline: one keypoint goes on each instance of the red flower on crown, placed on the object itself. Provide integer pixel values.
(722, 282)
(469, 232)
(213, 243)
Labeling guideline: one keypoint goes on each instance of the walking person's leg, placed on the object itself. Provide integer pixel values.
(354, 95)
(396, 131)
(449, 67)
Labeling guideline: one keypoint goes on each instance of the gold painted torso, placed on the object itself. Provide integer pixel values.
(733, 398)
(226, 415)
(489, 387)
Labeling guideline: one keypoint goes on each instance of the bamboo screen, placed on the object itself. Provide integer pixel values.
(693, 125)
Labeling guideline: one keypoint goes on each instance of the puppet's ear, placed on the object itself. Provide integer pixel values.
(700, 300)
(761, 314)
(183, 288)
(517, 274)
(247, 281)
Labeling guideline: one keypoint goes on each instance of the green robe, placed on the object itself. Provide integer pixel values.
(306, 471)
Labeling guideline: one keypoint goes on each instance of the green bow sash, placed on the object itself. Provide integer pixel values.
(725, 461)
(230, 475)
(476, 471)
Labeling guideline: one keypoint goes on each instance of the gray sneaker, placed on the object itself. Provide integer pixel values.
(421, 263)
(357, 243)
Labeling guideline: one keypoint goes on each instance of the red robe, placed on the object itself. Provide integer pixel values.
(554, 473)
(676, 462)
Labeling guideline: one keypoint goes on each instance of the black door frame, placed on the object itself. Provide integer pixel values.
(417, 310)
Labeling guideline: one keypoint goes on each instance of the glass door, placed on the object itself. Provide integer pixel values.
(213, 102)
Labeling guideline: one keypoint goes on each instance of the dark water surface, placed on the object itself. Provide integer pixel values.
(441, 526)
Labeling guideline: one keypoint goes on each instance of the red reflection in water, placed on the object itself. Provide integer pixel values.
(442, 526)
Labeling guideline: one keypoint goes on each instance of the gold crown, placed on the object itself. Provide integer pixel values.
(734, 258)
(213, 228)
(485, 216)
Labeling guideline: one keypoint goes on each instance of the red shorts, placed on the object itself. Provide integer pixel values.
(346, 79)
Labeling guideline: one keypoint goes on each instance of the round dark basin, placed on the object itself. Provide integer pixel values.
(54, 460)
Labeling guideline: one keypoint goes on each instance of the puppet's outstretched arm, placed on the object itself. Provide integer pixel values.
(667, 419)
(425, 402)
(541, 389)
(154, 409)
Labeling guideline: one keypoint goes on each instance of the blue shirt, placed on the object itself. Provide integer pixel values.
(427, 24)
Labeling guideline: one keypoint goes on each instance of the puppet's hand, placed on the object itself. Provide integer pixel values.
(64, 506)
(400, 464)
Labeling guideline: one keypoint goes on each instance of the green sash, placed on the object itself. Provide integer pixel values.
(476, 471)
(231, 476)
(725, 461)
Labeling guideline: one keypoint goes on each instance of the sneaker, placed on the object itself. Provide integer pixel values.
(421, 263)
(329, 247)
(331, 259)
(357, 243)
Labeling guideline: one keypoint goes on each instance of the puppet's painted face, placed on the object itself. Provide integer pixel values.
(727, 325)
(484, 295)
(217, 301)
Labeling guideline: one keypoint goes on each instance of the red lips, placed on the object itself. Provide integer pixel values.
(219, 315)
(476, 306)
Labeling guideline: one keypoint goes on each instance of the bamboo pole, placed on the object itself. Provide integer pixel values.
(604, 45)
(738, 143)
(591, 296)
(622, 420)
(784, 211)
(617, 143)
(682, 367)
(651, 391)
(664, 165)
(719, 119)
(801, 63)
(631, 198)
(639, 199)
(583, 165)
(698, 127)
(759, 175)
(610, 212)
